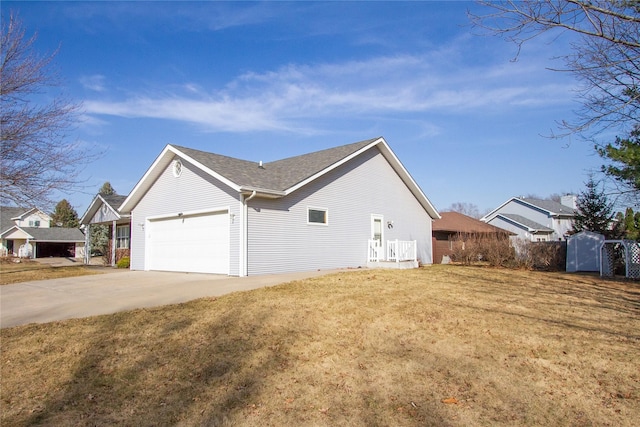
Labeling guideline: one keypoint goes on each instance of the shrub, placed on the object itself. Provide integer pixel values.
(469, 248)
(499, 251)
(548, 256)
(123, 262)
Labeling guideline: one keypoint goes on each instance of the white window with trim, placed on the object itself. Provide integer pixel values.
(317, 216)
(122, 236)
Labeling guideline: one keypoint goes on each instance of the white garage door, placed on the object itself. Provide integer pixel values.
(193, 243)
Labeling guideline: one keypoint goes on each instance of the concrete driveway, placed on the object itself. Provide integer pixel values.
(119, 290)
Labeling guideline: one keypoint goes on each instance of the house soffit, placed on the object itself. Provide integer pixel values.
(524, 222)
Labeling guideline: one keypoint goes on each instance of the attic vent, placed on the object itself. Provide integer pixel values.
(177, 168)
(260, 165)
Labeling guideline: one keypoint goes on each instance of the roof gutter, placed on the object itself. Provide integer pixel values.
(261, 192)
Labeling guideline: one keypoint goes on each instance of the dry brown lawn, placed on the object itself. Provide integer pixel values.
(25, 270)
(444, 345)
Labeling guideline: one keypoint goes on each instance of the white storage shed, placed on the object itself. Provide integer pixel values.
(583, 251)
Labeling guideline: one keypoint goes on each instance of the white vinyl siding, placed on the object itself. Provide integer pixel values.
(353, 192)
(192, 191)
(560, 226)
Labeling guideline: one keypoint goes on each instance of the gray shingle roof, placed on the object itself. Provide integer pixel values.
(526, 222)
(8, 212)
(113, 200)
(55, 234)
(456, 222)
(551, 206)
(279, 175)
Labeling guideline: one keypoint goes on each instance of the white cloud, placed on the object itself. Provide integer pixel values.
(95, 82)
(294, 97)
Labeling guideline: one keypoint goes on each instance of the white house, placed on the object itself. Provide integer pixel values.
(28, 233)
(534, 219)
(342, 207)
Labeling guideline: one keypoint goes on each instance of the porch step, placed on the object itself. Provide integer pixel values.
(402, 265)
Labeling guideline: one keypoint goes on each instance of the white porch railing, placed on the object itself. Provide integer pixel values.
(375, 251)
(397, 251)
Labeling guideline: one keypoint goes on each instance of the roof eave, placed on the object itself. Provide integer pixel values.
(158, 166)
(27, 212)
(407, 178)
(395, 164)
(262, 192)
(16, 227)
(93, 208)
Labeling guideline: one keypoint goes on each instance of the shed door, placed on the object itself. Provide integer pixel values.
(192, 243)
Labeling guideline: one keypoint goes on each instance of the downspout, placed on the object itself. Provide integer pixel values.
(245, 236)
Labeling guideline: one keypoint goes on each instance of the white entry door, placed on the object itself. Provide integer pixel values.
(377, 231)
(191, 243)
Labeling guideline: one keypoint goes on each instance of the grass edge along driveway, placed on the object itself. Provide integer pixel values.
(443, 345)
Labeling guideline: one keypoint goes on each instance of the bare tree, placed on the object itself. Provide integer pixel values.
(465, 208)
(36, 161)
(605, 58)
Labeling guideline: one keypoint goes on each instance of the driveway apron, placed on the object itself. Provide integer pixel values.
(117, 290)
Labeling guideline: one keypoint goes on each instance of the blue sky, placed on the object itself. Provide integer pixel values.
(265, 81)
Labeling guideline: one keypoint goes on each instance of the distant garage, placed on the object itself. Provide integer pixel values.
(196, 243)
(55, 249)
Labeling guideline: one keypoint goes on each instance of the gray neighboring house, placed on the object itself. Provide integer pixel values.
(535, 220)
(27, 233)
(196, 211)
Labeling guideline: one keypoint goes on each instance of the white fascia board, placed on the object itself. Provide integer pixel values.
(111, 208)
(262, 192)
(16, 228)
(516, 223)
(25, 213)
(395, 164)
(90, 212)
(158, 166)
(207, 170)
(534, 207)
(330, 168)
(413, 186)
(488, 217)
(93, 208)
(147, 180)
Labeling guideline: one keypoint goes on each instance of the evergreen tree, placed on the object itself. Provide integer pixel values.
(595, 213)
(99, 232)
(631, 225)
(65, 216)
(107, 189)
(625, 155)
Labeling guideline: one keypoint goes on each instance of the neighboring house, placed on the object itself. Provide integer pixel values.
(27, 232)
(535, 220)
(202, 212)
(103, 210)
(454, 226)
